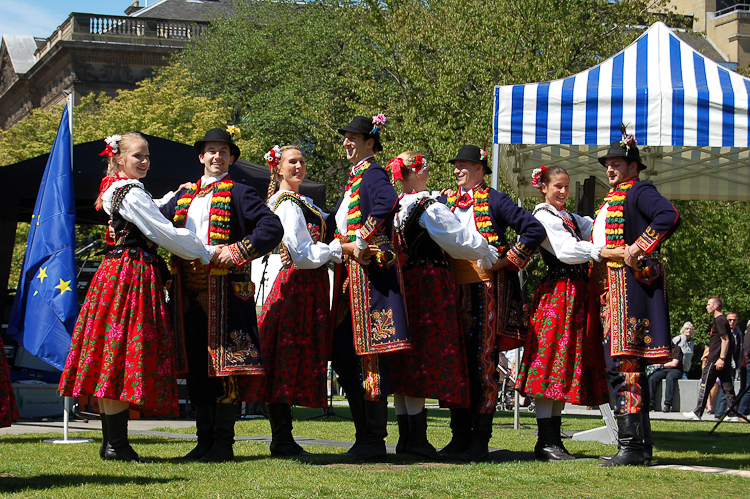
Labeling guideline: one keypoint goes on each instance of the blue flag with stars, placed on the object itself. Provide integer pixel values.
(46, 305)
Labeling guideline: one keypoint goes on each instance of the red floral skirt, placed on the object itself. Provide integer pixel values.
(435, 367)
(122, 346)
(294, 341)
(554, 365)
(8, 408)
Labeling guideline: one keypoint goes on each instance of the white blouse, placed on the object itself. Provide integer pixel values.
(458, 240)
(560, 242)
(138, 208)
(303, 251)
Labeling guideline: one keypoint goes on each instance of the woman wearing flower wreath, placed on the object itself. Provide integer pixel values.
(293, 328)
(554, 369)
(435, 367)
(122, 348)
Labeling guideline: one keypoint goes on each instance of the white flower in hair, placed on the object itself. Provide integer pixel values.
(113, 141)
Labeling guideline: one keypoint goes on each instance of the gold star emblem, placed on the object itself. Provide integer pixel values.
(63, 286)
(42, 274)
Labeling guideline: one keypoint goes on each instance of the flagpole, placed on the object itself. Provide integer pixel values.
(68, 401)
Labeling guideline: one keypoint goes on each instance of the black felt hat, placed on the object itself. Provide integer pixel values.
(629, 154)
(365, 126)
(218, 135)
(473, 154)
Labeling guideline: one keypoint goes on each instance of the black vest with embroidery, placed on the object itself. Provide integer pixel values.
(316, 226)
(419, 249)
(556, 269)
(127, 236)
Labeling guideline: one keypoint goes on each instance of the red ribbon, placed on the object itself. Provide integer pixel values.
(395, 165)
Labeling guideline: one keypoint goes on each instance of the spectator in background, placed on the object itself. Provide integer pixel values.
(671, 371)
(737, 358)
(720, 347)
(687, 344)
(744, 407)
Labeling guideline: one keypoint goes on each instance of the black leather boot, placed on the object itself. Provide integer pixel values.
(629, 441)
(461, 427)
(118, 446)
(105, 437)
(648, 443)
(479, 449)
(204, 430)
(403, 433)
(418, 444)
(373, 441)
(224, 419)
(357, 408)
(546, 448)
(282, 441)
(557, 427)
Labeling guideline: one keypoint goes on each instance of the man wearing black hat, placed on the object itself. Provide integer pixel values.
(632, 294)
(368, 309)
(216, 330)
(494, 315)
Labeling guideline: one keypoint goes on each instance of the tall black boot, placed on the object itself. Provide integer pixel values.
(357, 408)
(546, 448)
(629, 440)
(461, 426)
(105, 435)
(224, 419)
(204, 430)
(479, 449)
(648, 443)
(418, 443)
(403, 433)
(118, 446)
(282, 441)
(557, 427)
(373, 441)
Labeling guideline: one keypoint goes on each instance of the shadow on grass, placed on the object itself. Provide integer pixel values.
(18, 484)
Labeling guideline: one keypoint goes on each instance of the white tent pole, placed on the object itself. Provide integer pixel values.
(495, 165)
(517, 369)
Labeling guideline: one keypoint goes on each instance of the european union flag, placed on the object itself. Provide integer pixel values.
(46, 305)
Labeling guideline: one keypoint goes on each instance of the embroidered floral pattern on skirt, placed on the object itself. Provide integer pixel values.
(294, 341)
(553, 365)
(122, 346)
(435, 367)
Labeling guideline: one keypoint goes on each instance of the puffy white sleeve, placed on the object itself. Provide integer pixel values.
(562, 244)
(586, 224)
(458, 241)
(138, 208)
(303, 251)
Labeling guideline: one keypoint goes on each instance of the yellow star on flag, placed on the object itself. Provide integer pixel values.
(42, 274)
(63, 286)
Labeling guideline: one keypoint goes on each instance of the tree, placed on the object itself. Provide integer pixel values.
(162, 106)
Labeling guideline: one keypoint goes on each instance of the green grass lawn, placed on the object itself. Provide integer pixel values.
(31, 468)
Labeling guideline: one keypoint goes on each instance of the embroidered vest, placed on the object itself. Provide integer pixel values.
(418, 248)
(316, 226)
(555, 268)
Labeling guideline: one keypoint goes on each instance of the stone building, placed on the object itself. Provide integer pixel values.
(96, 53)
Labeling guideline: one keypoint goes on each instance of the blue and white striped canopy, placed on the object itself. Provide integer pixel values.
(667, 93)
(690, 113)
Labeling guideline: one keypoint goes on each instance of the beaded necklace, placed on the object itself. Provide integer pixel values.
(219, 214)
(354, 216)
(615, 218)
(481, 213)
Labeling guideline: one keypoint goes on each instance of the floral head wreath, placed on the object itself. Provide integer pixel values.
(113, 146)
(378, 122)
(273, 156)
(536, 177)
(628, 139)
(418, 166)
(483, 154)
(234, 132)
